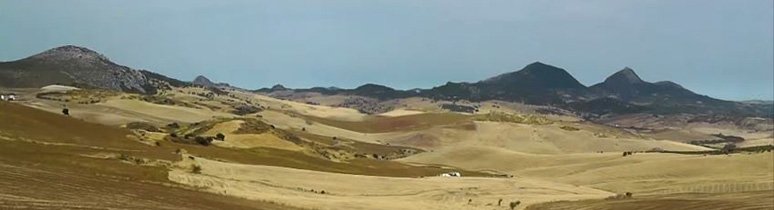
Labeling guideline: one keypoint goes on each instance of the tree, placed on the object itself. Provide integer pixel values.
(220, 136)
(203, 141)
(173, 125)
(66, 111)
(729, 148)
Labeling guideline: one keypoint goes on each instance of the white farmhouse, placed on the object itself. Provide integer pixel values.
(451, 174)
(8, 96)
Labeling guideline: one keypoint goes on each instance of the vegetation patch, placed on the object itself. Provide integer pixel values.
(252, 126)
(143, 126)
(245, 109)
(723, 151)
(459, 108)
(723, 139)
(163, 100)
(569, 128)
(80, 96)
(513, 118)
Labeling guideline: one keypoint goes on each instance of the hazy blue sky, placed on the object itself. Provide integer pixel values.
(724, 49)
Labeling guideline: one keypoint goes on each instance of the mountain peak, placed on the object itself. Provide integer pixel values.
(72, 48)
(537, 65)
(203, 81)
(537, 75)
(541, 68)
(373, 87)
(626, 75)
(70, 52)
(278, 87)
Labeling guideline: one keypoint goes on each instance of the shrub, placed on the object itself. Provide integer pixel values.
(173, 125)
(220, 136)
(142, 126)
(203, 141)
(514, 204)
(728, 148)
(253, 126)
(196, 169)
(245, 110)
(569, 128)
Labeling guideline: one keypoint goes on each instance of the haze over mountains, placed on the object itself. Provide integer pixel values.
(536, 83)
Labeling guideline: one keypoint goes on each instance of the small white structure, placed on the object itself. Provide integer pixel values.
(8, 96)
(451, 174)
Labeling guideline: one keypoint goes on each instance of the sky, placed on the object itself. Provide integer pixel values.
(720, 48)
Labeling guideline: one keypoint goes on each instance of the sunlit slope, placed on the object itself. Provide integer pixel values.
(761, 200)
(50, 161)
(641, 172)
(322, 190)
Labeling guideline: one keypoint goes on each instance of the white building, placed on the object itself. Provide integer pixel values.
(451, 174)
(8, 96)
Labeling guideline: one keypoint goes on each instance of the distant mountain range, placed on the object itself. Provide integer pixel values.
(537, 83)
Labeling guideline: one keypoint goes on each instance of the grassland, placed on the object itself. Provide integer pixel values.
(49, 161)
(687, 201)
(379, 124)
(555, 164)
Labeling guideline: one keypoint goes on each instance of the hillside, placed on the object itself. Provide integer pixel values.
(536, 83)
(50, 161)
(79, 66)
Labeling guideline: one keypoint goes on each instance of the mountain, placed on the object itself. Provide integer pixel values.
(623, 92)
(627, 85)
(536, 83)
(203, 81)
(79, 66)
(278, 87)
(536, 75)
(379, 92)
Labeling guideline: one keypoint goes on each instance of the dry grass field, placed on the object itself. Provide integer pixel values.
(754, 200)
(556, 162)
(49, 161)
